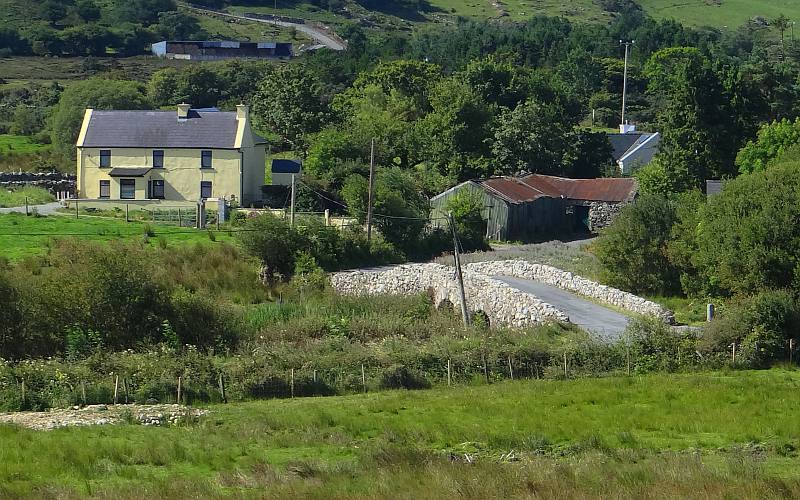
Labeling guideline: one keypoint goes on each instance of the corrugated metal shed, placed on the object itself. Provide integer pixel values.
(611, 190)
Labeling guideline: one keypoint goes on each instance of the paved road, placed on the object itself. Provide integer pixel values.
(46, 209)
(319, 35)
(606, 323)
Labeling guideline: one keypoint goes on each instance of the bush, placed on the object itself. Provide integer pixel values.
(401, 377)
(759, 325)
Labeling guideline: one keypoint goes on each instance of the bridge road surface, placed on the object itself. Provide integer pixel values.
(603, 322)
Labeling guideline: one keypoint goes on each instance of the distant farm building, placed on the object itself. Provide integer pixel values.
(631, 149)
(537, 207)
(215, 51)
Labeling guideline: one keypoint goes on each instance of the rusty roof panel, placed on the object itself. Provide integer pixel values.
(613, 190)
(512, 190)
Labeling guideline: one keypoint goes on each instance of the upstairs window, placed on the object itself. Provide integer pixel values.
(105, 157)
(127, 189)
(205, 189)
(158, 158)
(205, 159)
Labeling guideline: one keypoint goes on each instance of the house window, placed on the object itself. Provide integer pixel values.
(205, 189)
(158, 158)
(205, 159)
(105, 157)
(157, 189)
(105, 189)
(127, 189)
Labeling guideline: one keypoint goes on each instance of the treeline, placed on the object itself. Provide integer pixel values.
(86, 27)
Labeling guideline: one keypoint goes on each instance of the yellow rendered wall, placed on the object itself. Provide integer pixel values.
(254, 174)
(181, 173)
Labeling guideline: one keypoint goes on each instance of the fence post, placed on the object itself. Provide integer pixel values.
(23, 392)
(733, 353)
(180, 218)
(510, 368)
(565, 365)
(449, 379)
(363, 378)
(791, 351)
(26, 206)
(125, 389)
(327, 217)
(116, 388)
(127, 217)
(180, 379)
(315, 376)
(485, 367)
(222, 387)
(291, 376)
(83, 391)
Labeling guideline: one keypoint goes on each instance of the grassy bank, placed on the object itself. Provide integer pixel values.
(707, 435)
(21, 236)
(19, 196)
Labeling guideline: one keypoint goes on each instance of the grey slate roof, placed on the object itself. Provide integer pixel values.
(161, 129)
(621, 143)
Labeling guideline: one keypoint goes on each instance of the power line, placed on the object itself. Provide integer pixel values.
(365, 213)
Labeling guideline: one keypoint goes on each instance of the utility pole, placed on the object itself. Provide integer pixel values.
(371, 193)
(294, 189)
(625, 78)
(459, 277)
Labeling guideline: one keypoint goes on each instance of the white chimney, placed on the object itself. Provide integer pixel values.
(241, 112)
(183, 110)
(627, 128)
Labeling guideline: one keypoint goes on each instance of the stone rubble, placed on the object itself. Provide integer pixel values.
(155, 415)
(573, 283)
(502, 304)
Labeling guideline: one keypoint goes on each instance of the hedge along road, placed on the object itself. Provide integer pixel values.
(319, 35)
(607, 324)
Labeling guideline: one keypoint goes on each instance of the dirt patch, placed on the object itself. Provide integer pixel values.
(165, 414)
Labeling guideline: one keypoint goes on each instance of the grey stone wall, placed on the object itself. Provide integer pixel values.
(573, 283)
(602, 214)
(503, 304)
(51, 181)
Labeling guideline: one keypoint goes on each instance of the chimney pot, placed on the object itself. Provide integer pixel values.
(183, 110)
(241, 111)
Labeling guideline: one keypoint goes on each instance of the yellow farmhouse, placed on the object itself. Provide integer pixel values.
(186, 155)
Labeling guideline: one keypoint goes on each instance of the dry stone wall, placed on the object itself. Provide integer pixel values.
(502, 304)
(52, 181)
(572, 283)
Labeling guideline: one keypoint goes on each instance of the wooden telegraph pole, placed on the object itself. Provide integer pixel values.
(459, 277)
(371, 193)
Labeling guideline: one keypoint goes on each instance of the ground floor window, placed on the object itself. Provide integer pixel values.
(205, 189)
(127, 189)
(105, 189)
(157, 189)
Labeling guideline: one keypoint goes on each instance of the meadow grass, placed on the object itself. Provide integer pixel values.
(22, 236)
(19, 144)
(708, 435)
(728, 13)
(17, 197)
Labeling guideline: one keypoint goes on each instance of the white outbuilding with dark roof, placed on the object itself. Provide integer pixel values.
(182, 155)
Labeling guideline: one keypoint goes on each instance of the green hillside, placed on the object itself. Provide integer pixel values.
(720, 13)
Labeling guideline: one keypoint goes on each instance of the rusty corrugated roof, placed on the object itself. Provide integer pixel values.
(604, 189)
(512, 189)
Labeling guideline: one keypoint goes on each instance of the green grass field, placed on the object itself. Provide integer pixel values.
(19, 144)
(21, 236)
(18, 197)
(724, 13)
(731, 435)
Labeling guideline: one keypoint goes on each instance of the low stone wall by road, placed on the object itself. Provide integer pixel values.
(572, 283)
(503, 304)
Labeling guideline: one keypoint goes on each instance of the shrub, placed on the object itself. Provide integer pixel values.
(401, 377)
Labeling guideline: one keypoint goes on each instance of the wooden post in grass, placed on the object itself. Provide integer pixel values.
(363, 378)
(180, 380)
(83, 391)
(291, 381)
(485, 367)
(180, 217)
(125, 389)
(116, 388)
(26, 206)
(127, 217)
(449, 376)
(315, 376)
(23, 392)
(222, 387)
(733, 353)
(565, 365)
(510, 368)
(791, 351)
